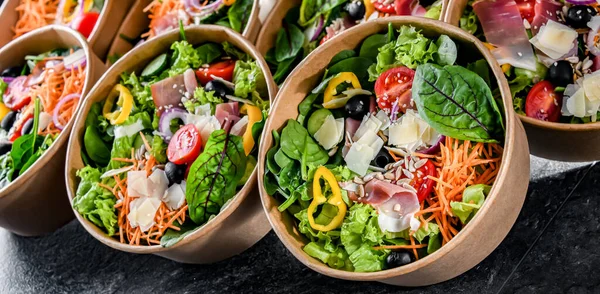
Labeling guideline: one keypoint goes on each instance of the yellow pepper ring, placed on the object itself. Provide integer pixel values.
(125, 102)
(344, 77)
(69, 12)
(254, 116)
(318, 199)
(228, 2)
(369, 8)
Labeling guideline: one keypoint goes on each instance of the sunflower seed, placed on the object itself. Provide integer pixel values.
(573, 59)
(398, 173)
(389, 166)
(579, 73)
(359, 181)
(526, 24)
(587, 64)
(403, 181)
(398, 163)
(579, 65)
(409, 187)
(333, 151)
(379, 176)
(420, 163)
(408, 174)
(390, 176)
(361, 191)
(369, 177)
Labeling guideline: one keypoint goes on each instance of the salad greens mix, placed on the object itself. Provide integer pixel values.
(392, 154)
(314, 22)
(171, 145)
(549, 51)
(40, 95)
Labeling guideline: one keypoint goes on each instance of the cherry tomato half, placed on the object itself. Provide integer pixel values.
(543, 102)
(223, 69)
(527, 9)
(421, 182)
(381, 6)
(404, 7)
(85, 23)
(17, 94)
(185, 146)
(394, 85)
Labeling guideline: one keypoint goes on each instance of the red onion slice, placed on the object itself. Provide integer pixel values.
(75, 60)
(435, 148)
(581, 2)
(314, 30)
(59, 105)
(8, 80)
(164, 124)
(194, 8)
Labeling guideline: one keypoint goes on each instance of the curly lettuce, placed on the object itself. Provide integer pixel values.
(95, 203)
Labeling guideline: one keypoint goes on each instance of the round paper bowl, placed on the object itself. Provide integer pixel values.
(111, 16)
(241, 223)
(483, 233)
(35, 203)
(557, 141)
(268, 34)
(136, 23)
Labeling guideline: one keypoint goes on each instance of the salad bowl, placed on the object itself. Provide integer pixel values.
(282, 10)
(241, 221)
(567, 139)
(107, 19)
(475, 241)
(34, 203)
(137, 22)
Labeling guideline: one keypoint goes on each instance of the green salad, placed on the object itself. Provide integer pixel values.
(171, 145)
(392, 154)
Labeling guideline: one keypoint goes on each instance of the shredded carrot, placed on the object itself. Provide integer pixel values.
(34, 14)
(414, 246)
(159, 10)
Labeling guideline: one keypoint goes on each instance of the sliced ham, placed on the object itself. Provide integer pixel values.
(544, 10)
(503, 27)
(168, 93)
(189, 78)
(168, 22)
(396, 205)
(227, 111)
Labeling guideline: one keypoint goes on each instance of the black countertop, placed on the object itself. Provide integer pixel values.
(551, 249)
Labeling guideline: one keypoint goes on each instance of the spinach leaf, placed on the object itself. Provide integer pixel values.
(344, 54)
(481, 68)
(447, 51)
(307, 104)
(284, 68)
(172, 237)
(358, 65)
(214, 175)
(95, 147)
(370, 46)
(271, 162)
(209, 52)
(289, 42)
(239, 13)
(457, 103)
(295, 141)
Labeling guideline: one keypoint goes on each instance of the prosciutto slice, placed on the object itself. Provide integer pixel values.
(168, 93)
(544, 10)
(503, 27)
(227, 110)
(396, 205)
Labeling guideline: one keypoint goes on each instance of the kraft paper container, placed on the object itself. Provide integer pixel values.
(242, 223)
(136, 23)
(557, 141)
(35, 203)
(104, 32)
(479, 238)
(268, 34)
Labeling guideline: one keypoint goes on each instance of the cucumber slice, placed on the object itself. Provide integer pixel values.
(315, 121)
(155, 66)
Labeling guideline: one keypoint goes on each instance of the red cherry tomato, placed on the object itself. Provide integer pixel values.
(17, 94)
(404, 7)
(543, 102)
(421, 182)
(222, 69)
(185, 146)
(527, 9)
(18, 131)
(381, 6)
(395, 85)
(85, 23)
(325, 39)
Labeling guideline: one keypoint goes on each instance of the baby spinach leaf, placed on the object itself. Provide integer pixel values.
(289, 42)
(214, 175)
(370, 46)
(209, 52)
(271, 162)
(295, 141)
(344, 54)
(457, 103)
(358, 65)
(172, 237)
(239, 13)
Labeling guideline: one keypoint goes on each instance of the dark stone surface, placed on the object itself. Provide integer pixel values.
(562, 260)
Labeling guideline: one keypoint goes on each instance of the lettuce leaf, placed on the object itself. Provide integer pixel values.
(95, 203)
(473, 198)
(184, 57)
(410, 49)
(367, 259)
(141, 94)
(202, 97)
(360, 232)
(338, 259)
(248, 78)
(159, 149)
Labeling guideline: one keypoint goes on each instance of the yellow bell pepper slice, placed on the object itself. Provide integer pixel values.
(3, 110)
(125, 102)
(506, 67)
(228, 2)
(369, 8)
(71, 9)
(318, 199)
(331, 92)
(254, 116)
